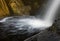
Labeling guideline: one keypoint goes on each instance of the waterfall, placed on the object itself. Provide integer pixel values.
(39, 23)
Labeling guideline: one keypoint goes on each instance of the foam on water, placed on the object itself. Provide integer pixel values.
(36, 23)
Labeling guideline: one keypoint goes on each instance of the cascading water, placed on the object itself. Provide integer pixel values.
(48, 17)
(22, 25)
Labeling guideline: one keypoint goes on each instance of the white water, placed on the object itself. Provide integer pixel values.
(49, 16)
(42, 24)
(51, 12)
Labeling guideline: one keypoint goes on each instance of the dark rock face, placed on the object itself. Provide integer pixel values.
(45, 36)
